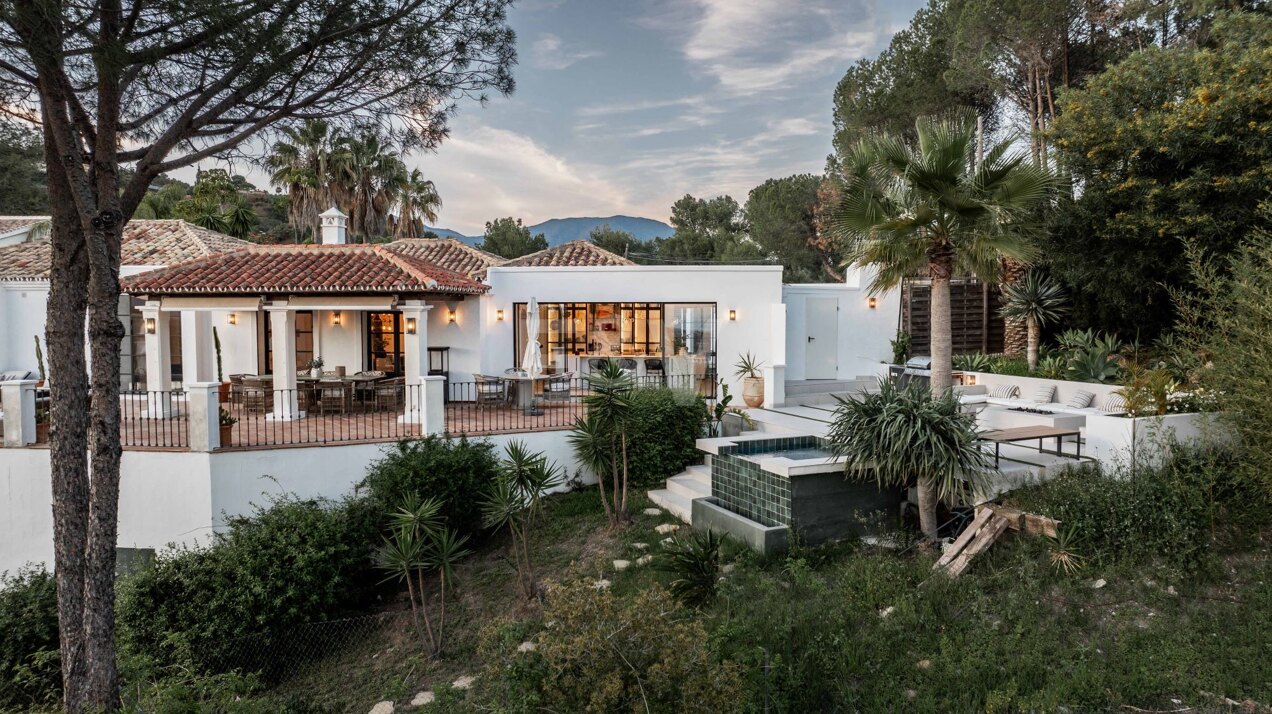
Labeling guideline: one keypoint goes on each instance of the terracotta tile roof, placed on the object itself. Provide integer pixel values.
(9, 224)
(304, 269)
(447, 253)
(145, 242)
(576, 253)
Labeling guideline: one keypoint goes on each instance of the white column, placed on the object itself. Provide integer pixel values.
(18, 399)
(198, 357)
(434, 413)
(775, 373)
(282, 327)
(204, 415)
(415, 339)
(158, 361)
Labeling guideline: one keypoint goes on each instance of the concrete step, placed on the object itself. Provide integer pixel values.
(688, 486)
(674, 503)
(817, 386)
(698, 472)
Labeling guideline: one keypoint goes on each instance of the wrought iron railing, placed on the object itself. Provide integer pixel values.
(154, 419)
(333, 412)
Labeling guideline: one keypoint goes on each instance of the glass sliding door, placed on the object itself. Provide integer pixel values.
(689, 339)
(384, 343)
(304, 341)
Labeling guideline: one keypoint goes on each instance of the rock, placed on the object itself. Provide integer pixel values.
(621, 565)
(527, 646)
(423, 698)
(640, 546)
(645, 560)
(384, 707)
(464, 682)
(665, 528)
(1170, 590)
(886, 611)
(652, 511)
(910, 694)
(668, 541)
(924, 664)
(1099, 584)
(601, 584)
(728, 568)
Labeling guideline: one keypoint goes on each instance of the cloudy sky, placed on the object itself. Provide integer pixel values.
(622, 106)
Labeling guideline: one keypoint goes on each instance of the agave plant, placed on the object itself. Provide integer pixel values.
(1038, 301)
(1076, 340)
(1052, 367)
(1093, 365)
(975, 362)
(694, 560)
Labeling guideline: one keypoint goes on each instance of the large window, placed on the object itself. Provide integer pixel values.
(384, 343)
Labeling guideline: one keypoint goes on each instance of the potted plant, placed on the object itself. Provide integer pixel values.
(315, 367)
(748, 368)
(42, 425)
(223, 391)
(39, 359)
(725, 420)
(227, 422)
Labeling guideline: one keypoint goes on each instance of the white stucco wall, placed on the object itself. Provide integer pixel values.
(864, 333)
(22, 309)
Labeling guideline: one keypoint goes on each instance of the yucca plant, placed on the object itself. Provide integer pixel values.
(905, 435)
(600, 438)
(514, 501)
(694, 561)
(1063, 551)
(1038, 301)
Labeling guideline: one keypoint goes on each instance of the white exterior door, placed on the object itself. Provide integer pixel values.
(821, 352)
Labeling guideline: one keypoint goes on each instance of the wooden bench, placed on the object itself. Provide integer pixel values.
(999, 437)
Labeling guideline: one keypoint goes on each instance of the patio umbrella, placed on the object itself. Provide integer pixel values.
(531, 360)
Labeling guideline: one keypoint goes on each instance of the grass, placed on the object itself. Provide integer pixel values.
(1013, 634)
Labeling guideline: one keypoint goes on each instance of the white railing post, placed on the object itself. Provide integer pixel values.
(774, 385)
(18, 399)
(434, 405)
(203, 406)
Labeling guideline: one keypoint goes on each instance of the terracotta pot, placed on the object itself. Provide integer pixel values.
(42, 433)
(753, 391)
(227, 432)
(223, 393)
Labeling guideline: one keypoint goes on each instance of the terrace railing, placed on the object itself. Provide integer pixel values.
(153, 420)
(333, 413)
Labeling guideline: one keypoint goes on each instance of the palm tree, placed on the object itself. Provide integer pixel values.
(907, 434)
(418, 200)
(930, 208)
(1036, 300)
(302, 162)
(600, 438)
(371, 175)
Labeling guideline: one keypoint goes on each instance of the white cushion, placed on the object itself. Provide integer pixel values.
(1114, 404)
(1045, 394)
(1081, 399)
(1004, 391)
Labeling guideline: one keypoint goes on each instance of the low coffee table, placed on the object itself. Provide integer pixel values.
(1028, 433)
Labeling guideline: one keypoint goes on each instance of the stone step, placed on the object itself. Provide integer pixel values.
(818, 386)
(688, 486)
(674, 503)
(698, 472)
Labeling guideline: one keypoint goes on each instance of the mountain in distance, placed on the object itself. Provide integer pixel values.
(564, 230)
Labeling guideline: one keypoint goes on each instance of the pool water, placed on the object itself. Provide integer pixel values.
(807, 453)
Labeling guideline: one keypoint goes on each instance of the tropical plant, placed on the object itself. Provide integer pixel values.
(1074, 340)
(600, 438)
(748, 366)
(371, 176)
(39, 358)
(906, 435)
(302, 162)
(1094, 364)
(1147, 391)
(1053, 367)
(514, 501)
(900, 347)
(721, 409)
(694, 562)
(974, 362)
(1063, 550)
(931, 208)
(417, 202)
(1038, 301)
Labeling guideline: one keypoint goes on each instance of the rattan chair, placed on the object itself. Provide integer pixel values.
(258, 394)
(490, 391)
(334, 396)
(558, 388)
(390, 394)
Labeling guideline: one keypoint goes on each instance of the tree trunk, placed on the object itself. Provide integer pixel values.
(927, 508)
(1015, 335)
(1032, 326)
(942, 342)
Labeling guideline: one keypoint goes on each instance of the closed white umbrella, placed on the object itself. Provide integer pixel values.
(531, 360)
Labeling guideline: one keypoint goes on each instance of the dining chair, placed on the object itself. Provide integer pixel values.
(558, 388)
(333, 396)
(390, 393)
(258, 394)
(490, 391)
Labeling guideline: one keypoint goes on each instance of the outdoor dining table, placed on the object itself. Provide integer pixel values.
(524, 390)
(360, 385)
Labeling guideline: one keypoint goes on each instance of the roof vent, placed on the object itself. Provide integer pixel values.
(333, 227)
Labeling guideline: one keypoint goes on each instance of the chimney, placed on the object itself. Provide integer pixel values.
(333, 226)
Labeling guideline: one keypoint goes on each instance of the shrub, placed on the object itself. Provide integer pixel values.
(1170, 513)
(665, 423)
(457, 472)
(30, 669)
(694, 561)
(294, 562)
(600, 653)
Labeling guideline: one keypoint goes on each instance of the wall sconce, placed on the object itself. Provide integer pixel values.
(499, 315)
(335, 318)
(232, 318)
(733, 316)
(410, 326)
(150, 325)
(872, 303)
(450, 316)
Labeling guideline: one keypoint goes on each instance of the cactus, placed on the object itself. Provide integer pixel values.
(216, 343)
(39, 358)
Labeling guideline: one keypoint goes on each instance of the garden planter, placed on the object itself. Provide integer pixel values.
(753, 391)
(227, 433)
(223, 393)
(42, 433)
